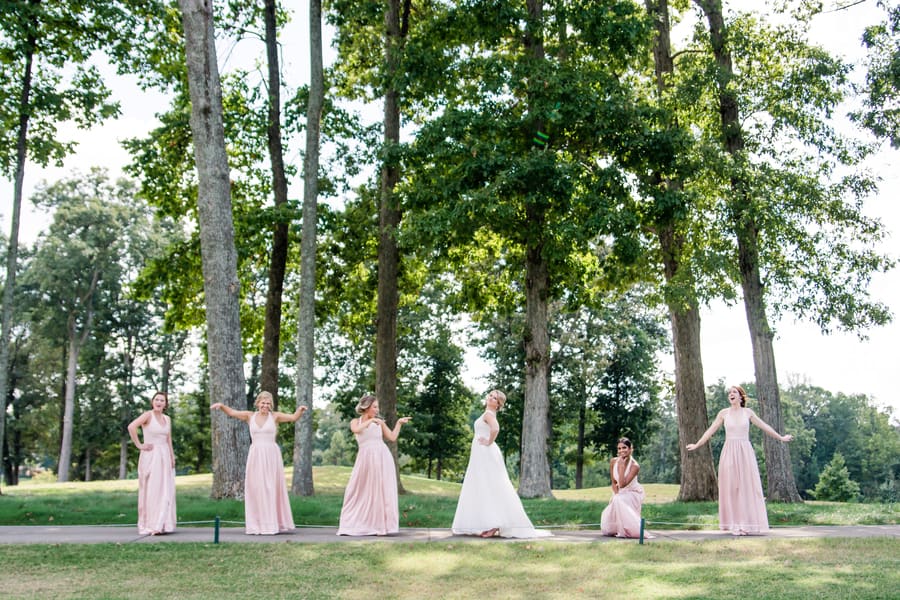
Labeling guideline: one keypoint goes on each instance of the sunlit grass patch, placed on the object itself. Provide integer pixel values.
(745, 568)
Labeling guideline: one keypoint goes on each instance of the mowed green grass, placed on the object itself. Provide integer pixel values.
(743, 568)
(756, 567)
(427, 503)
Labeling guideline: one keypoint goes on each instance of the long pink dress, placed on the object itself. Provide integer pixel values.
(742, 507)
(370, 500)
(267, 510)
(487, 498)
(156, 480)
(622, 516)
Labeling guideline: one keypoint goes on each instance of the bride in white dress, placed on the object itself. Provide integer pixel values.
(488, 503)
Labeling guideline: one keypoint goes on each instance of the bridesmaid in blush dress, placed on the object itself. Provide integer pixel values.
(488, 504)
(156, 468)
(267, 509)
(622, 516)
(742, 506)
(370, 499)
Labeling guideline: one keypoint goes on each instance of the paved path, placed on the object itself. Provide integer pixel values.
(77, 534)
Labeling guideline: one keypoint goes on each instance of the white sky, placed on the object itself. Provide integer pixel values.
(840, 362)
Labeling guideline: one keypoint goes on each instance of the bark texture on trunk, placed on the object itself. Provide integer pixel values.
(781, 484)
(779, 473)
(65, 444)
(698, 473)
(280, 241)
(535, 475)
(396, 25)
(302, 483)
(579, 458)
(76, 340)
(230, 437)
(12, 252)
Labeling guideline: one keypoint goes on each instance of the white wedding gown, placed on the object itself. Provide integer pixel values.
(488, 499)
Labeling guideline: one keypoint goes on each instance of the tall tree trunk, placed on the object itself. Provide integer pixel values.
(698, 474)
(166, 373)
(579, 457)
(64, 367)
(230, 437)
(388, 225)
(16, 458)
(278, 260)
(781, 484)
(12, 443)
(12, 253)
(302, 482)
(123, 456)
(127, 404)
(779, 473)
(76, 342)
(65, 445)
(535, 475)
(203, 418)
(13, 452)
(251, 384)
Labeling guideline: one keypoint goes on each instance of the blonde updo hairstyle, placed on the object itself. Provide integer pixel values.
(499, 396)
(364, 403)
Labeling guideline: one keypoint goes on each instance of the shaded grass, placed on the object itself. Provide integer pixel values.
(747, 568)
(428, 503)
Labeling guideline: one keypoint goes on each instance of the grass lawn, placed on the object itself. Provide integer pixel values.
(731, 568)
(756, 567)
(428, 503)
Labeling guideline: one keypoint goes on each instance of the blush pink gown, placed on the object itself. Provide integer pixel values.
(267, 510)
(156, 480)
(370, 500)
(742, 507)
(622, 516)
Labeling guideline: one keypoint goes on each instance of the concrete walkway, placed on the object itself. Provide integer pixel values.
(84, 534)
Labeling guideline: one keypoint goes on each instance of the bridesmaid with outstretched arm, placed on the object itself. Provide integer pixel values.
(370, 499)
(267, 509)
(742, 506)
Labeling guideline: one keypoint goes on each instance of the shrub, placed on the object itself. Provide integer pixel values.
(835, 483)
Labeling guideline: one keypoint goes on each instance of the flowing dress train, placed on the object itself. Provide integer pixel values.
(742, 506)
(267, 509)
(370, 499)
(156, 480)
(622, 516)
(487, 498)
